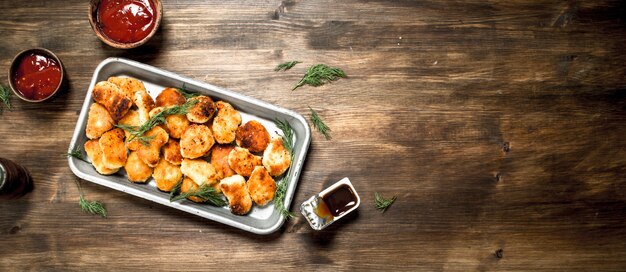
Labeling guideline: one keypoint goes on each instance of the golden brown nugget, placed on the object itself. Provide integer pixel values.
(129, 86)
(137, 170)
(176, 125)
(225, 123)
(253, 136)
(219, 160)
(261, 186)
(144, 105)
(150, 154)
(276, 157)
(200, 171)
(170, 97)
(196, 141)
(114, 153)
(236, 191)
(171, 152)
(99, 121)
(131, 119)
(166, 175)
(202, 111)
(92, 148)
(242, 161)
(189, 186)
(112, 98)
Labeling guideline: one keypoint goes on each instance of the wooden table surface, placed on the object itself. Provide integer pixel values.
(497, 124)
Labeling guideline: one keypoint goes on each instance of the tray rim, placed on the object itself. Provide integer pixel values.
(102, 180)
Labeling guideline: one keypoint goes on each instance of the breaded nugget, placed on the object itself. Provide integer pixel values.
(166, 175)
(92, 148)
(150, 153)
(99, 121)
(114, 153)
(176, 125)
(189, 186)
(170, 97)
(155, 110)
(236, 191)
(196, 141)
(112, 98)
(261, 186)
(202, 111)
(242, 161)
(253, 136)
(128, 85)
(200, 171)
(171, 152)
(225, 123)
(219, 160)
(131, 119)
(276, 157)
(144, 105)
(137, 170)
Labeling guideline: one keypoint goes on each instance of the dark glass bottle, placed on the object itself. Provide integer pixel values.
(15, 181)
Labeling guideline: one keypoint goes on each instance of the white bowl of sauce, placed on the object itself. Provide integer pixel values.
(330, 205)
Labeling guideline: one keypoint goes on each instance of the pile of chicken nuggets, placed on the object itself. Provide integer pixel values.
(207, 146)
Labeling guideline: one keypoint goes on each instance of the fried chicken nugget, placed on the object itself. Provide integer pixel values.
(137, 170)
(225, 123)
(202, 111)
(189, 186)
(175, 124)
(114, 153)
(171, 152)
(219, 160)
(112, 98)
(92, 148)
(200, 171)
(166, 175)
(276, 157)
(170, 97)
(144, 105)
(242, 161)
(196, 141)
(128, 85)
(261, 186)
(236, 191)
(150, 154)
(99, 121)
(131, 119)
(253, 136)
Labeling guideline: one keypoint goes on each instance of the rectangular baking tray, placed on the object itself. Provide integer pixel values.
(260, 220)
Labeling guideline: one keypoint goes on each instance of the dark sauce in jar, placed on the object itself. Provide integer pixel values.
(37, 76)
(126, 21)
(15, 181)
(339, 200)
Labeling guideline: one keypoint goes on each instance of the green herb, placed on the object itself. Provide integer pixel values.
(175, 190)
(320, 74)
(281, 185)
(92, 207)
(287, 134)
(286, 66)
(76, 152)
(383, 203)
(157, 119)
(5, 96)
(185, 93)
(205, 192)
(319, 124)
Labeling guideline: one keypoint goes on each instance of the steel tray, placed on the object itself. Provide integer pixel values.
(260, 220)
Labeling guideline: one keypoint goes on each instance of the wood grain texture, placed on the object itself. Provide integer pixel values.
(498, 124)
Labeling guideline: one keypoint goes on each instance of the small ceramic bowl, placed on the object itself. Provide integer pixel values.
(16, 62)
(93, 15)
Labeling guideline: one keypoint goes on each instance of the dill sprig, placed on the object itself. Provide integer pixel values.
(76, 152)
(281, 185)
(319, 124)
(383, 203)
(92, 207)
(5, 96)
(206, 193)
(320, 74)
(176, 189)
(157, 119)
(185, 93)
(286, 66)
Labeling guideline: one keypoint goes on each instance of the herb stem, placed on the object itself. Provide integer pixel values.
(382, 203)
(5, 96)
(286, 66)
(319, 124)
(320, 74)
(92, 207)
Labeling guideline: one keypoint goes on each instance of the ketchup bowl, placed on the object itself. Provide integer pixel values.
(125, 24)
(36, 75)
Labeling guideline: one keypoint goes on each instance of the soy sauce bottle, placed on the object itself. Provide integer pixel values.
(15, 181)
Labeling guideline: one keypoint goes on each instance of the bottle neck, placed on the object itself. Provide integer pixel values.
(3, 175)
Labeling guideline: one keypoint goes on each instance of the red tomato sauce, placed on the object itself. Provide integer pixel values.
(126, 21)
(37, 76)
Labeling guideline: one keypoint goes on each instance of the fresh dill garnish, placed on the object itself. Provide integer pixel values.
(320, 74)
(286, 66)
(157, 119)
(175, 189)
(383, 203)
(281, 185)
(92, 207)
(206, 193)
(76, 152)
(185, 93)
(5, 96)
(319, 124)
